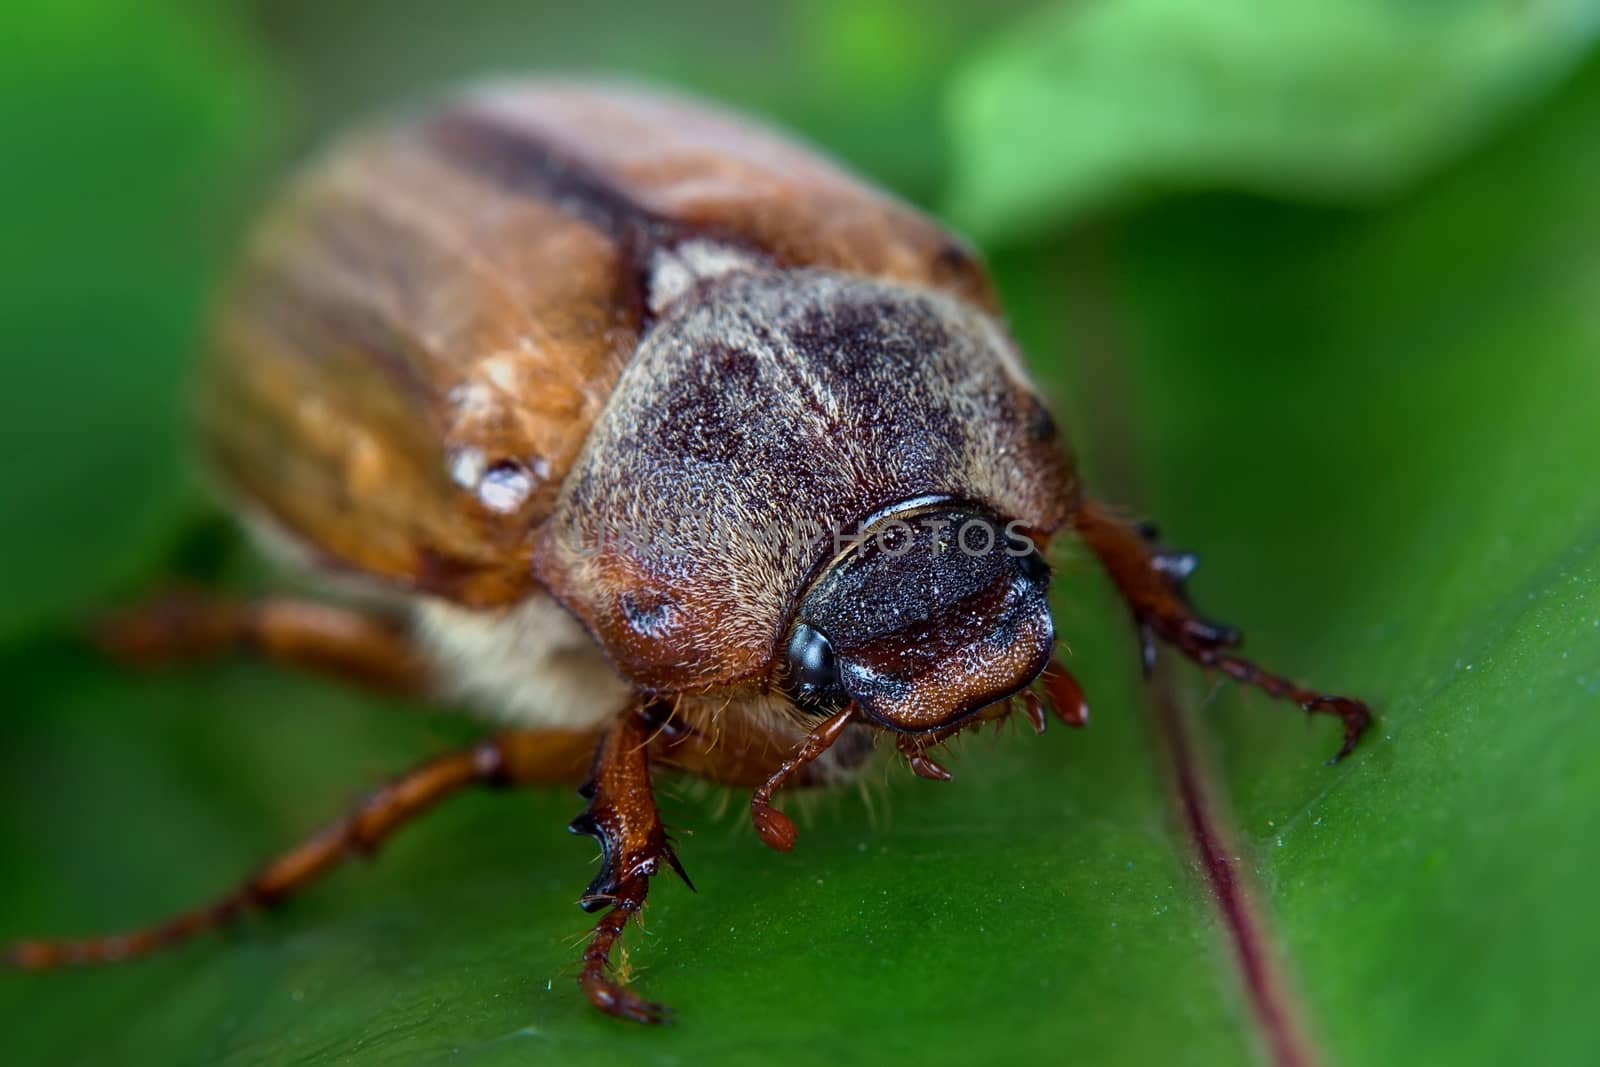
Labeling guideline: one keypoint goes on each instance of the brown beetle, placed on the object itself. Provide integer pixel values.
(660, 441)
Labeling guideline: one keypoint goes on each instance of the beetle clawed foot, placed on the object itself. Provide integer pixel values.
(1355, 716)
(612, 999)
(1151, 579)
(603, 991)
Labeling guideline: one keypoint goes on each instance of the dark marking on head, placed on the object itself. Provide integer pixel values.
(844, 335)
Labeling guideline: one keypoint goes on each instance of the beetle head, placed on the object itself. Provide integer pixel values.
(928, 617)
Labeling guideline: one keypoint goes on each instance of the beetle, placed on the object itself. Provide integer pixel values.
(661, 442)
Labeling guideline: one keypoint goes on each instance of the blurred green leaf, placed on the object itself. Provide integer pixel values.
(857, 75)
(128, 127)
(1083, 103)
(1378, 427)
(1409, 490)
(865, 91)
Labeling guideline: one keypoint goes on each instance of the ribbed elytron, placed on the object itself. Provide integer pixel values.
(661, 442)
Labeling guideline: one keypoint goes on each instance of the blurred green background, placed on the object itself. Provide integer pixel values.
(1318, 285)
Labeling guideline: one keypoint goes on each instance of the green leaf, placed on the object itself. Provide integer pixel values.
(1082, 103)
(127, 134)
(1377, 427)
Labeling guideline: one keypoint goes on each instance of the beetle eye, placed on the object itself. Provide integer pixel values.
(811, 675)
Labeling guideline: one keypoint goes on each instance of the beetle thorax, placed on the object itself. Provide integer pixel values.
(762, 419)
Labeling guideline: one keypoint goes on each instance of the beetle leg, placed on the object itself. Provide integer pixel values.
(915, 750)
(1065, 698)
(328, 639)
(773, 826)
(634, 845)
(1150, 581)
(510, 758)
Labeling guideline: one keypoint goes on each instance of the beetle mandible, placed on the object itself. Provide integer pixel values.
(661, 442)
